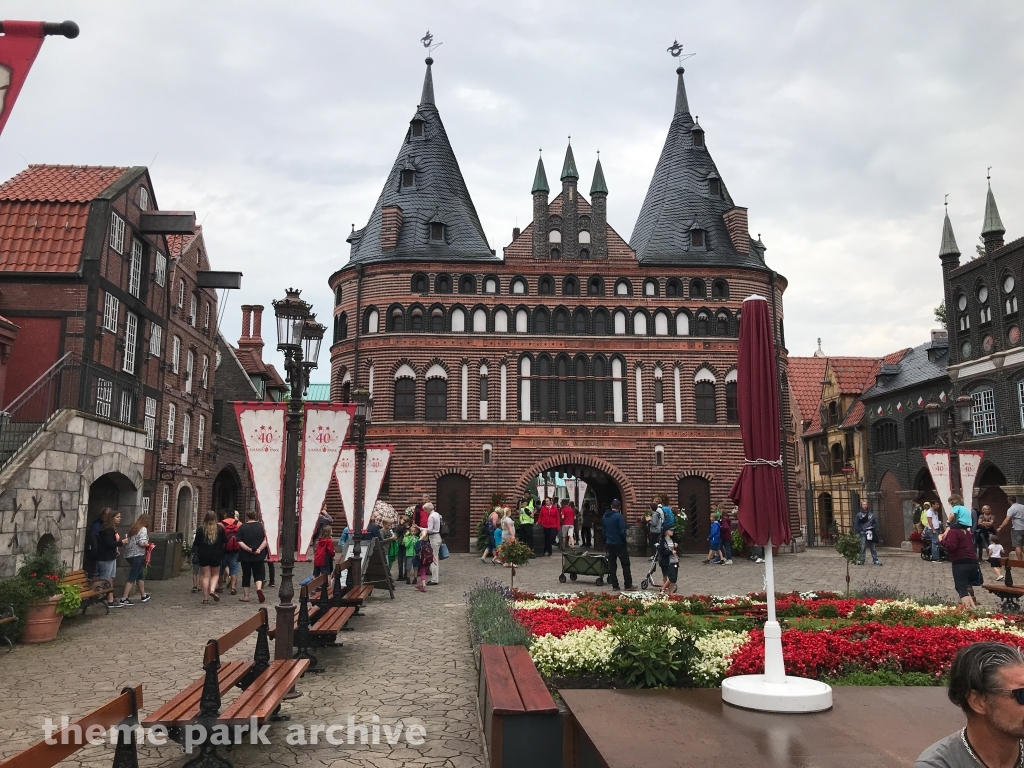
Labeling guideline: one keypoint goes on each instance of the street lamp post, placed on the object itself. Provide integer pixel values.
(298, 338)
(952, 424)
(363, 402)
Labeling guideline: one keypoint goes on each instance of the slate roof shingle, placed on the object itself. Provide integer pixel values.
(915, 367)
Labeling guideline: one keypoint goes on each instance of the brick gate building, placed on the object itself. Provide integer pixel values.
(574, 351)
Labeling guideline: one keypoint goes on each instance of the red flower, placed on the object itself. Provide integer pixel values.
(553, 621)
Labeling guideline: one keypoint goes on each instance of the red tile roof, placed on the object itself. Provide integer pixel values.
(805, 374)
(60, 183)
(43, 214)
(894, 357)
(855, 374)
(854, 417)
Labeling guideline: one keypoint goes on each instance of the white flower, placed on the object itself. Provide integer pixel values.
(582, 651)
(714, 652)
(1000, 625)
(529, 605)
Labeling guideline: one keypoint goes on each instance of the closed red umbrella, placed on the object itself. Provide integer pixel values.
(758, 491)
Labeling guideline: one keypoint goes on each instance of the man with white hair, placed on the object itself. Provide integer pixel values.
(434, 536)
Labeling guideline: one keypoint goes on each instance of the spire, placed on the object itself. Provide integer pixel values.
(599, 184)
(993, 224)
(948, 247)
(428, 85)
(682, 106)
(569, 167)
(540, 179)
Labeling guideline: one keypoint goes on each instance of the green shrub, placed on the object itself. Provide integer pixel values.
(848, 546)
(739, 545)
(490, 620)
(827, 611)
(887, 677)
(70, 599)
(649, 654)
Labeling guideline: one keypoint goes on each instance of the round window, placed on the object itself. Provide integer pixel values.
(988, 344)
(1013, 335)
(965, 350)
(961, 302)
(1008, 283)
(983, 294)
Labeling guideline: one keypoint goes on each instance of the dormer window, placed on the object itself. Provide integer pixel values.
(436, 231)
(697, 238)
(698, 136)
(408, 178)
(417, 128)
(715, 187)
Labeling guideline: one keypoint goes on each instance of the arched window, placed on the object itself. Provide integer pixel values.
(437, 320)
(639, 324)
(490, 284)
(397, 320)
(719, 289)
(479, 320)
(601, 410)
(546, 286)
(639, 373)
(443, 284)
(732, 411)
(704, 396)
(682, 324)
(595, 286)
(467, 284)
(650, 288)
(600, 322)
(618, 391)
(561, 321)
(620, 322)
(340, 327)
(578, 407)
(702, 324)
(562, 387)
(837, 453)
(579, 322)
(584, 237)
(522, 321)
(540, 321)
(722, 324)
(543, 382)
(623, 288)
(555, 254)
(501, 321)
(519, 286)
(483, 392)
(659, 394)
(697, 289)
(458, 320)
(673, 289)
(554, 236)
(416, 320)
(985, 313)
(524, 389)
(405, 399)
(337, 296)
(437, 400)
(919, 434)
(372, 323)
(660, 324)
(570, 286)
(419, 283)
(190, 363)
(963, 316)
(1009, 298)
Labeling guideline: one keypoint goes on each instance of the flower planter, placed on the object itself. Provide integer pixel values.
(916, 546)
(43, 621)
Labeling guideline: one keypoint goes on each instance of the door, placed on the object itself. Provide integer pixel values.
(890, 512)
(453, 504)
(183, 522)
(695, 501)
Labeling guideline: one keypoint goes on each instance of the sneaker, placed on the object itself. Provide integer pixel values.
(728, 562)
(126, 602)
(194, 590)
(758, 559)
(115, 604)
(146, 598)
(999, 577)
(877, 562)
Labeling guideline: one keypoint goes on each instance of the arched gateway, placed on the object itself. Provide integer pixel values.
(607, 481)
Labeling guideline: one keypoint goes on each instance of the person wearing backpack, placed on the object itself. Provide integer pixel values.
(490, 527)
(92, 543)
(229, 566)
(424, 559)
(655, 526)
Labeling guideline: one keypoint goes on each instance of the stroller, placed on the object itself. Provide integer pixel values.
(926, 552)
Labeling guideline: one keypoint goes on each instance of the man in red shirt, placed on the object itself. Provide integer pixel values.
(549, 521)
(568, 515)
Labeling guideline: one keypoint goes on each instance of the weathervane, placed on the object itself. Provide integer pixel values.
(945, 201)
(989, 174)
(676, 49)
(428, 43)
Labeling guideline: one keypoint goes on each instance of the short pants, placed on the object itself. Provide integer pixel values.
(567, 532)
(138, 565)
(1016, 538)
(965, 575)
(230, 562)
(671, 572)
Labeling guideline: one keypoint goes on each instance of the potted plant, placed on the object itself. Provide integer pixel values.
(848, 546)
(41, 574)
(915, 541)
(514, 553)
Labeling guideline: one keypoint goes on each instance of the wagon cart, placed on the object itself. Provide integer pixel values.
(583, 564)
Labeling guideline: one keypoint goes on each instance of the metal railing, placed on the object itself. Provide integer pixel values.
(69, 383)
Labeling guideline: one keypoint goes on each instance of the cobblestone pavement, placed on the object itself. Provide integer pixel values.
(408, 659)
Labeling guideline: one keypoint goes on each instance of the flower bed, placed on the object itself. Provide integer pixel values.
(648, 640)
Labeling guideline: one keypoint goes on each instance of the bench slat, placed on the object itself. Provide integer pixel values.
(184, 708)
(535, 695)
(43, 754)
(1001, 589)
(331, 621)
(234, 636)
(501, 686)
(267, 691)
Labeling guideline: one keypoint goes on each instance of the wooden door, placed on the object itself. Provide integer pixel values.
(453, 504)
(890, 512)
(695, 501)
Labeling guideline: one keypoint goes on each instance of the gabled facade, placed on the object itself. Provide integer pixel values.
(573, 352)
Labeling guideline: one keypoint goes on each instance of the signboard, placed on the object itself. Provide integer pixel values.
(377, 459)
(345, 473)
(262, 428)
(937, 460)
(324, 429)
(969, 463)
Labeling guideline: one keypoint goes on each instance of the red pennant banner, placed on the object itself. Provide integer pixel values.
(324, 431)
(262, 427)
(19, 46)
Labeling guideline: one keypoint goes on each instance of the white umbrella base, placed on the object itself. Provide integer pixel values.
(794, 695)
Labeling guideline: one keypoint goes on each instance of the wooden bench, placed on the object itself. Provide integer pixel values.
(1009, 595)
(345, 594)
(121, 713)
(264, 684)
(90, 591)
(317, 624)
(522, 727)
(8, 622)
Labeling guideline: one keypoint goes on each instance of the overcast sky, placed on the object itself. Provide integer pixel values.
(839, 125)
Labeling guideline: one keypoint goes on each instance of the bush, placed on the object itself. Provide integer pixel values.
(70, 599)
(649, 653)
(739, 546)
(37, 579)
(848, 546)
(490, 620)
(886, 677)
(514, 553)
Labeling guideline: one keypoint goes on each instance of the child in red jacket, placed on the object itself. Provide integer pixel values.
(323, 557)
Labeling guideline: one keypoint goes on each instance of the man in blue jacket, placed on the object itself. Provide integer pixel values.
(614, 526)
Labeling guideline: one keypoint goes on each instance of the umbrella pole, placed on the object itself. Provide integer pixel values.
(774, 667)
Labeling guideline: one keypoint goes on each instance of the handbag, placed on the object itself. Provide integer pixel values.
(976, 579)
(442, 552)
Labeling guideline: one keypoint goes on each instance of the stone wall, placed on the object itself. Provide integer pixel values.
(45, 489)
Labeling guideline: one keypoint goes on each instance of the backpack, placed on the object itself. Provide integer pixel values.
(670, 518)
(425, 553)
(91, 543)
(657, 520)
(490, 525)
(231, 531)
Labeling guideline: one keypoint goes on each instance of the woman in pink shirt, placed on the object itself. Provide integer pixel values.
(549, 521)
(568, 515)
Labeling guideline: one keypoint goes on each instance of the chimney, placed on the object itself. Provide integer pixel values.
(257, 329)
(515, 233)
(246, 313)
(390, 226)
(736, 224)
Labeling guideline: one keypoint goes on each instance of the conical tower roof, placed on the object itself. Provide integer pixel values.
(679, 200)
(948, 247)
(540, 179)
(993, 224)
(569, 166)
(599, 184)
(438, 194)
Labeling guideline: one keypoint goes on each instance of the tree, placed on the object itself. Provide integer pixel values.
(940, 314)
